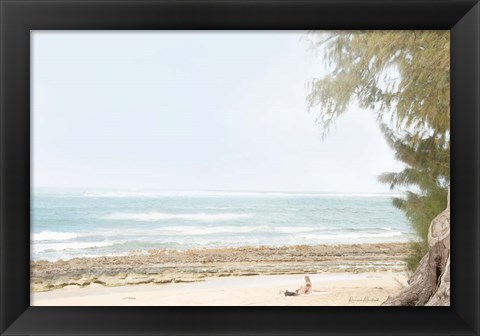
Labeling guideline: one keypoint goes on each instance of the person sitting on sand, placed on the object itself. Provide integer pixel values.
(304, 289)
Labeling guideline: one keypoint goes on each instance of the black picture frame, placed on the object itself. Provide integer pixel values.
(19, 17)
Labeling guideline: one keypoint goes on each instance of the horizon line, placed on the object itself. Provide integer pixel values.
(214, 190)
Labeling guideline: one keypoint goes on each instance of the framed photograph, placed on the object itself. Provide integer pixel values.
(183, 167)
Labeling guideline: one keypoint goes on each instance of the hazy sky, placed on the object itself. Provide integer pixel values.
(191, 110)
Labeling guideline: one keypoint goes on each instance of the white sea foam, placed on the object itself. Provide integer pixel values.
(52, 235)
(199, 230)
(228, 194)
(67, 256)
(71, 246)
(294, 229)
(158, 216)
(203, 230)
(353, 235)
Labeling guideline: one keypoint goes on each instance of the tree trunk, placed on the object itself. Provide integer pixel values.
(430, 284)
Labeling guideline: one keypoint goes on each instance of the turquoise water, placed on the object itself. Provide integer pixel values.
(68, 224)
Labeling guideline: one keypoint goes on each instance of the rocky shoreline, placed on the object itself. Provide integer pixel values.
(167, 266)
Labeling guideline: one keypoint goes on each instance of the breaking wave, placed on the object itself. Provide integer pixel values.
(158, 216)
(52, 235)
(71, 246)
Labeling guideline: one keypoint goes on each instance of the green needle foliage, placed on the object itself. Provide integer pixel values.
(404, 77)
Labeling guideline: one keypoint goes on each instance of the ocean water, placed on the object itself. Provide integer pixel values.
(67, 224)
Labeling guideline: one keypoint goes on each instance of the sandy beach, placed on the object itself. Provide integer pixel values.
(358, 274)
(330, 289)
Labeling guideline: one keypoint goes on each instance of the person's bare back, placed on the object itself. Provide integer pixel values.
(304, 289)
